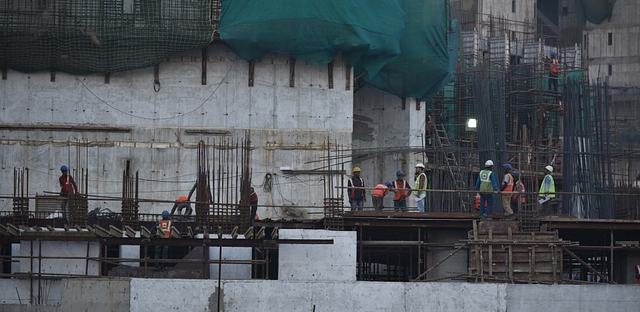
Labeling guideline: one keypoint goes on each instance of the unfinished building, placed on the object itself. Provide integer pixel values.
(237, 109)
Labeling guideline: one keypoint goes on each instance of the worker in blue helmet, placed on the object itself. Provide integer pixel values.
(378, 194)
(553, 72)
(402, 190)
(163, 224)
(506, 191)
(67, 187)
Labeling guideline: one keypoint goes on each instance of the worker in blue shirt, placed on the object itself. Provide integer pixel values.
(486, 184)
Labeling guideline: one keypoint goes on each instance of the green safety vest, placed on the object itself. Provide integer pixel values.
(416, 185)
(552, 187)
(485, 181)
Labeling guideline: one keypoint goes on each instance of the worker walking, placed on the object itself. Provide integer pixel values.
(507, 189)
(420, 186)
(378, 194)
(402, 190)
(67, 187)
(547, 191)
(553, 72)
(486, 184)
(518, 193)
(356, 195)
(165, 225)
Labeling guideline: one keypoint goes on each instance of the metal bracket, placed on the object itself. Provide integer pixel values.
(252, 66)
(348, 80)
(4, 73)
(292, 72)
(417, 104)
(404, 103)
(330, 74)
(156, 78)
(53, 76)
(107, 76)
(204, 65)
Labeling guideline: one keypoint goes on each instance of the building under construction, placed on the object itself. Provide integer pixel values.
(147, 101)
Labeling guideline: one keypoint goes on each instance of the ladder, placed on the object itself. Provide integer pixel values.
(453, 167)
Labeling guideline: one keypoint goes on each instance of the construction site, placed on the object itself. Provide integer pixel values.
(147, 102)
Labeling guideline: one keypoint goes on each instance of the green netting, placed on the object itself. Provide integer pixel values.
(99, 36)
(314, 31)
(424, 62)
(594, 11)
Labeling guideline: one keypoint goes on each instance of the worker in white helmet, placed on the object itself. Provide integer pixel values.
(420, 186)
(486, 184)
(547, 191)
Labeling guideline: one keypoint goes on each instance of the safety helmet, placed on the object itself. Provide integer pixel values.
(399, 173)
(553, 53)
(356, 169)
(165, 214)
(420, 165)
(516, 174)
(488, 163)
(64, 168)
(388, 183)
(507, 166)
(549, 168)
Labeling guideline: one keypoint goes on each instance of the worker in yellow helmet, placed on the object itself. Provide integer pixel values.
(357, 193)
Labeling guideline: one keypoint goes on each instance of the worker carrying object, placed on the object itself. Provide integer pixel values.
(378, 194)
(357, 196)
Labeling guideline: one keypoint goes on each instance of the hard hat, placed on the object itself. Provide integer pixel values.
(516, 174)
(388, 183)
(507, 166)
(182, 199)
(64, 168)
(165, 214)
(488, 163)
(553, 53)
(549, 168)
(420, 165)
(399, 173)
(356, 169)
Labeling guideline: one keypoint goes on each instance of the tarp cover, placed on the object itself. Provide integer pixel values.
(594, 11)
(423, 64)
(367, 31)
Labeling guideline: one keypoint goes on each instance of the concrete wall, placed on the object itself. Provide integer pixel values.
(50, 264)
(624, 53)
(289, 126)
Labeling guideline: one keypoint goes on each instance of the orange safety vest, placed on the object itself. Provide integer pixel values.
(509, 187)
(554, 66)
(165, 226)
(380, 191)
(352, 192)
(401, 194)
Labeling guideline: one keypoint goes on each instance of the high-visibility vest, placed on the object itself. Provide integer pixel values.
(401, 194)
(165, 226)
(380, 191)
(554, 66)
(352, 192)
(509, 187)
(552, 187)
(416, 185)
(485, 181)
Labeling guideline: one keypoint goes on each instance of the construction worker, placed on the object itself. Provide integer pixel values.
(486, 184)
(165, 225)
(518, 193)
(506, 190)
(253, 202)
(182, 203)
(378, 194)
(356, 196)
(402, 190)
(420, 186)
(553, 72)
(547, 190)
(67, 186)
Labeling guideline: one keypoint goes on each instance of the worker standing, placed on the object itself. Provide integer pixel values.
(165, 225)
(402, 190)
(506, 190)
(356, 190)
(67, 187)
(486, 184)
(253, 202)
(547, 190)
(518, 193)
(553, 72)
(378, 194)
(420, 186)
